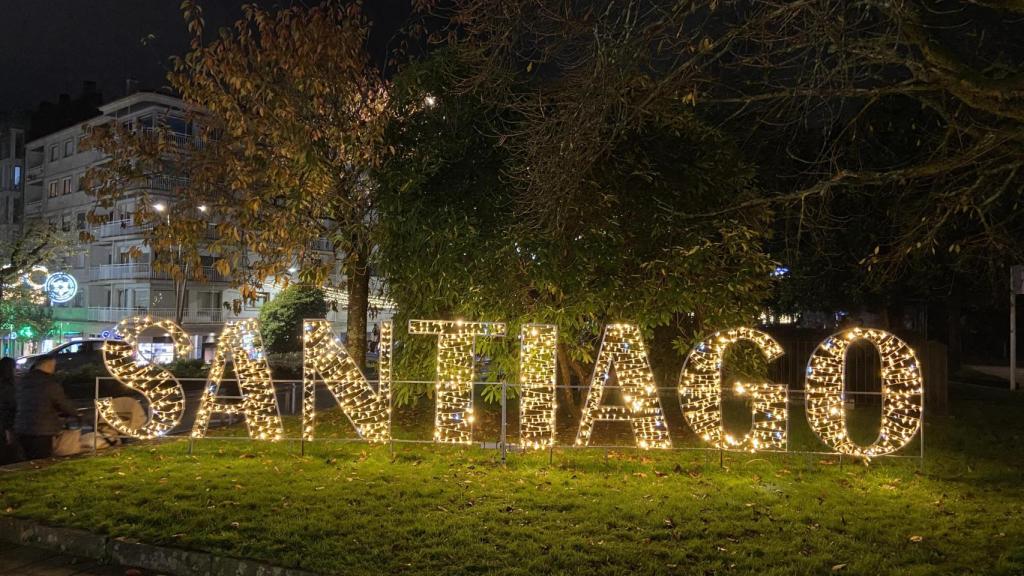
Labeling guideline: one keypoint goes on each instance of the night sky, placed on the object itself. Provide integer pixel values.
(49, 47)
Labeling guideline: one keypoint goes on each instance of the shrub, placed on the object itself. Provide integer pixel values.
(281, 318)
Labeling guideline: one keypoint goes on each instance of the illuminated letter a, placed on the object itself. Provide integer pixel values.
(623, 348)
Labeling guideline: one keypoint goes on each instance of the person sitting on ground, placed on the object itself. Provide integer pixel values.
(8, 442)
(41, 401)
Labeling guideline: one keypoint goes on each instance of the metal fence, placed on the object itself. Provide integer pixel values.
(496, 423)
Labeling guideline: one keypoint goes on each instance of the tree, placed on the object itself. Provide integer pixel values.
(24, 313)
(897, 124)
(916, 103)
(454, 240)
(281, 318)
(24, 310)
(288, 108)
(38, 245)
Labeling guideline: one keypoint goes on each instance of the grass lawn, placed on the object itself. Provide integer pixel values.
(349, 508)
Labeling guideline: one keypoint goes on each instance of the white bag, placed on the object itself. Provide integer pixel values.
(67, 443)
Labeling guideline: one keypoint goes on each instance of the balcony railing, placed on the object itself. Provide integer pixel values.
(120, 228)
(192, 316)
(144, 271)
(113, 315)
(134, 271)
(322, 245)
(187, 141)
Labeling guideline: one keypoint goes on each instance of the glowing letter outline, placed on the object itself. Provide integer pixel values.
(456, 342)
(368, 411)
(241, 342)
(700, 394)
(538, 361)
(902, 392)
(622, 346)
(157, 385)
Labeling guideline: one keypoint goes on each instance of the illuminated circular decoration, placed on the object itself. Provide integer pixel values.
(60, 287)
(42, 272)
(902, 388)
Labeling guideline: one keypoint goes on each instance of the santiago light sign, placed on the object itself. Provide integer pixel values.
(621, 348)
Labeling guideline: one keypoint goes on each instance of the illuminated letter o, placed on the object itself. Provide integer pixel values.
(902, 387)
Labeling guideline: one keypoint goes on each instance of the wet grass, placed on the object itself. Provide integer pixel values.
(423, 509)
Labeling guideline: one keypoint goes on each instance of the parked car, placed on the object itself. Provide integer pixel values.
(79, 363)
(71, 357)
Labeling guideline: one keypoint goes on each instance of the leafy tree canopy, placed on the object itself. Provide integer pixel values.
(454, 242)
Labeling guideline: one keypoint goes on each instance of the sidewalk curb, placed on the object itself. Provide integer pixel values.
(128, 552)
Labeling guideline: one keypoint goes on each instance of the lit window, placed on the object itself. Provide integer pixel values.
(67, 186)
(16, 176)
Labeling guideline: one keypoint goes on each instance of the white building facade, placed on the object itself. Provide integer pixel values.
(114, 270)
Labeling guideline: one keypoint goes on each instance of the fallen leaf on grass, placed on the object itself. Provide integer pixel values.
(838, 567)
(916, 538)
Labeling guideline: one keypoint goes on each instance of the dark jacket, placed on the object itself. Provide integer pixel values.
(40, 400)
(8, 408)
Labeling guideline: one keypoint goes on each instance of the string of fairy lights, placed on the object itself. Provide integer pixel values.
(241, 343)
(622, 363)
(453, 388)
(622, 347)
(325, 356)
(537, 375)
(700, 394)
(902, 390)
(162, 391)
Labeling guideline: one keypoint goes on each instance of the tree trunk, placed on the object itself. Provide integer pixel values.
(563, 366)
(358, 280)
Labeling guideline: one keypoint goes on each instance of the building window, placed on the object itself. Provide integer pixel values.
(67, 186)
(69, 147)
(65, 223)
(81, 220)
(209, 300)
(16, 176)
(52, 189)
(54, 151)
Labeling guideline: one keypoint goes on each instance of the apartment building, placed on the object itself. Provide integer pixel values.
(12, 175)
(114, 272)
